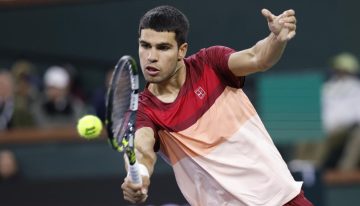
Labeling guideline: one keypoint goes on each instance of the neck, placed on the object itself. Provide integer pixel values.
(168, 90)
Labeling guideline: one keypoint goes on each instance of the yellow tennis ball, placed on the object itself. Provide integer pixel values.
(89, 126)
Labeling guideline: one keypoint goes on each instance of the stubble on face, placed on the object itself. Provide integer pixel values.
(158, 53)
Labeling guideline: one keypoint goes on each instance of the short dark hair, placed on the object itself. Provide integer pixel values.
(166, 18)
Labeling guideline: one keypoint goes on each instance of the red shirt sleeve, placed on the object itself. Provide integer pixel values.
(218, 57)
(142, 119)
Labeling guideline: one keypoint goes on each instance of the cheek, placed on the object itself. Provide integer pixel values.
(141, 58)
(169, 57)
(142, 55)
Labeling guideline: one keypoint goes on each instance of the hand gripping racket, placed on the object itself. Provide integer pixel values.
(121, 107)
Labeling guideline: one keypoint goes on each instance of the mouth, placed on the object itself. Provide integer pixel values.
(152, 71)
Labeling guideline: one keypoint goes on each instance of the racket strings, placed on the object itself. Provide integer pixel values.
(121, 103)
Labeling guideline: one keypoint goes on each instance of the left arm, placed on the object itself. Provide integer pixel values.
(265, 53)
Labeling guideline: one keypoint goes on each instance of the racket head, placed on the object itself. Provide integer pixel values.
(122, 103)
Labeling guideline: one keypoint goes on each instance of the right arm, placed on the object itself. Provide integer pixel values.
(145, 155)
(267, 52)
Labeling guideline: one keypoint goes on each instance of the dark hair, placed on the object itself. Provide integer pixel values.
(166, 18)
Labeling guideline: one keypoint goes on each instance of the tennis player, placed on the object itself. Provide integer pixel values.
(194, 113)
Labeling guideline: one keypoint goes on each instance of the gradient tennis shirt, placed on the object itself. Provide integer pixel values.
(213, 138)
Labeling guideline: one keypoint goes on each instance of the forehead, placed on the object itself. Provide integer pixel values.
(155, 37)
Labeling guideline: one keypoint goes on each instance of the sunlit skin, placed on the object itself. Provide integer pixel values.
(161, 61)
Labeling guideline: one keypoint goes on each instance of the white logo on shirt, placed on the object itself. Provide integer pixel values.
(200, 92)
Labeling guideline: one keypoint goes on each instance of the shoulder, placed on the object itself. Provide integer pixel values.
(147, 101)
(145, 96)
(211, 52)
(214, 56)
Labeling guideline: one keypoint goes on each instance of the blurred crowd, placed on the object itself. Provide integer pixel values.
(27, 100)
(51, 99)
(340, 103)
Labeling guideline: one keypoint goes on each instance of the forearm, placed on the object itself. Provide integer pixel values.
(268, 51)
(263, 55)
(148, 159)
(144, 145)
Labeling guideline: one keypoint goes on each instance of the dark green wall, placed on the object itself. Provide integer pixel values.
(101, 32)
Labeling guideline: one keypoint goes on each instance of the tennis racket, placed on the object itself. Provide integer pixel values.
(121, 107)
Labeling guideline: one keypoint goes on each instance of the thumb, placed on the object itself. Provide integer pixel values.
(268, 15)
(145, 184)
(144, 191)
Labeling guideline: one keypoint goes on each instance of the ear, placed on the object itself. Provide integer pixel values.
(182, 51)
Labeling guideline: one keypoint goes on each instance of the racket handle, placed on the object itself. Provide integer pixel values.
(134, 173)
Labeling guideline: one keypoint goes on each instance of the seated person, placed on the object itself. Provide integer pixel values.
(57, 107)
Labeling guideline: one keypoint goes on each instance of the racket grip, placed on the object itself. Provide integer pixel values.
(134, 173)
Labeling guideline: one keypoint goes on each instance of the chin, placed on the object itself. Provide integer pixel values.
(154, 80)
(150, 79)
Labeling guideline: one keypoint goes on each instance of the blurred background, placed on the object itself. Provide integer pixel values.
(56, 56)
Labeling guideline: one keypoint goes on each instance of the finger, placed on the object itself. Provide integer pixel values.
(282, 36)
(135, 198)
(145, 184)
(268, 15)
(291, 27)
(129, 190)
(291, 35)
(132, 193)
(289, 12)
(144, 191)
(290, 19)
(144, 198)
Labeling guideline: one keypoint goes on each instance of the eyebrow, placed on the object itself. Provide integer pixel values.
(143, 42)
(159, 44)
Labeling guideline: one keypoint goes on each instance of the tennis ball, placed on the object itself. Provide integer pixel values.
(89, 126)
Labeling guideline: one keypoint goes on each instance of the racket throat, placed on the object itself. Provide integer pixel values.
(130, 153)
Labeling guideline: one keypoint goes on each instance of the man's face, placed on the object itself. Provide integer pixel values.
(56, 94)
(159, 55)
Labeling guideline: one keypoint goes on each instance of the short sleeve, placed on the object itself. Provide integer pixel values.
(142, 120)
(217, 57)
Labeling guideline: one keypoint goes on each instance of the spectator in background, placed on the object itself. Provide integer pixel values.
(341, 115)
(6, 99)
(26, 92)
(57, 107)
(8, 166)
(75, 85)
(8, 163)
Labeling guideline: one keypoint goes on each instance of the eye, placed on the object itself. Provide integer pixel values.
(145, 45)
(163, 47)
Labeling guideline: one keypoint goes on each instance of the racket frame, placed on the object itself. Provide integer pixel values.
(126, 142)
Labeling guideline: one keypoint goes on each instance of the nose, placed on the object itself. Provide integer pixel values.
(152, 56)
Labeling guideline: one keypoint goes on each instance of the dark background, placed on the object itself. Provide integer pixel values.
(92, 36)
